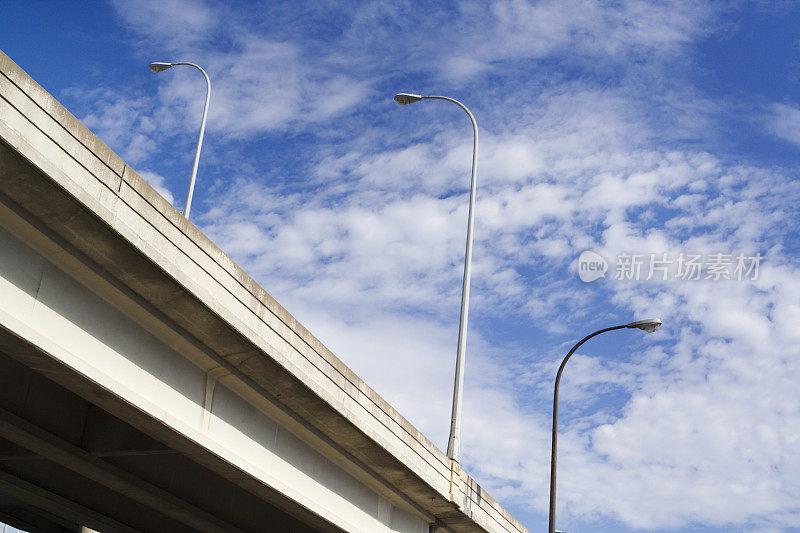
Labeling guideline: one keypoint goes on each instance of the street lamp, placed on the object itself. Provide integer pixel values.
(160, 66)
(454, 442)
(649, 325)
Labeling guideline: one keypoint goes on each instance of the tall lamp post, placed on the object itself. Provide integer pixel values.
(160, 66)
(649, 325)
(454, 442)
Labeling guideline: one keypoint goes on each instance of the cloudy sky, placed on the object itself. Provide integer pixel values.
(659, 135)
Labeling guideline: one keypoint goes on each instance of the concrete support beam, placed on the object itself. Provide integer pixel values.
(56, 505)
(39, 441)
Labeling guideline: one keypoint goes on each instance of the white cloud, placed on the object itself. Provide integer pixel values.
(258, 84)
(173, 22)
(268, 85)
(476, 37)
(784, 121)
(121, 120)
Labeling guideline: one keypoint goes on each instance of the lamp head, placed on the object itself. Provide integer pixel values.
(159, 66)
(407, 98)
(649, 325)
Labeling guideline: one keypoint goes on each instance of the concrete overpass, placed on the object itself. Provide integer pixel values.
(148, 384)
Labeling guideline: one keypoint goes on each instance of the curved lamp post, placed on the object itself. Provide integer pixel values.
(160, 66)
(649, 325)
(454, 442)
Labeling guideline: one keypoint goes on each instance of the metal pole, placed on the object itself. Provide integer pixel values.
(199, 140)
(552, 526)
(454, 442)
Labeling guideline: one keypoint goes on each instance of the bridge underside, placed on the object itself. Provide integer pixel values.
(65, 462)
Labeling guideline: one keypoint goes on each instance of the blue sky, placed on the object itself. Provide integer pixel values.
(624, 127)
